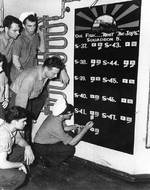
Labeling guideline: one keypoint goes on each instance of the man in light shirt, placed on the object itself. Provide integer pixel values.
(29, 84)
(15, 152)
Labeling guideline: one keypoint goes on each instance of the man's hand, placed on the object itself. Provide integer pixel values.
(89, 124)
(23, 168)
(78, 128)
(28, 155)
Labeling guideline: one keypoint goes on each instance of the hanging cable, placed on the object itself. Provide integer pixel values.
(94, 3)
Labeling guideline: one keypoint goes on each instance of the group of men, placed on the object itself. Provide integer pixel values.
(19, 43)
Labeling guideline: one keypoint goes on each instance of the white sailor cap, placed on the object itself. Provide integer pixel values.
(24, 15)
(59, 106)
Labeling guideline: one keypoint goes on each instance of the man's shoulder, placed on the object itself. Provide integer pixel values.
(32, 71)
(48, 122)
(3, 132)
(51, 122)
(30, 74)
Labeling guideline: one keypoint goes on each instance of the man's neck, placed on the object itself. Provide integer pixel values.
(6, 36)
(30, 36)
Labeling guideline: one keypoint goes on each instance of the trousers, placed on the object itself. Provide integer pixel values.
(34, 107)
(10, 179)
(54, 154)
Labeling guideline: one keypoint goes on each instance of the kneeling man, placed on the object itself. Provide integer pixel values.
(52, 142)
(12, 156)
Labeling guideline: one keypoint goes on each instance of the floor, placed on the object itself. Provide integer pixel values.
(77, 175)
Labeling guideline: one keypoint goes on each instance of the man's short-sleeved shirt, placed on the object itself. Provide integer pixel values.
(28, 85)
(3, 82)
(26, 49)
(51, 132)
(6, 46)
(7, 139)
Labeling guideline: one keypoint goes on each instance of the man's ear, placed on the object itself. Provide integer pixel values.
(6, 29)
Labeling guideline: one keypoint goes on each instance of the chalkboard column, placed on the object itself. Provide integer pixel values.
(105, 79)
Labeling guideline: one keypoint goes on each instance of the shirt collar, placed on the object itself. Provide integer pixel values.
(12, 134)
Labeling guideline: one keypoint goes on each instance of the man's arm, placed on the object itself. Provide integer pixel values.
(4, 149)
(17, 63)
(5, 164)
(28, 154)
(41, 43)
(78, 137)
(1, 90)
(2, 87)
(64, 77)
(6, 92)
(6, 96)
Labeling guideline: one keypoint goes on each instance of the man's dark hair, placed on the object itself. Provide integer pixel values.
(8, 20)
(15, 113)
(69, 109)
(31, 18)
(54, 62)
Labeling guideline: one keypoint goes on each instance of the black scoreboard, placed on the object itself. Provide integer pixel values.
(106, 50)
